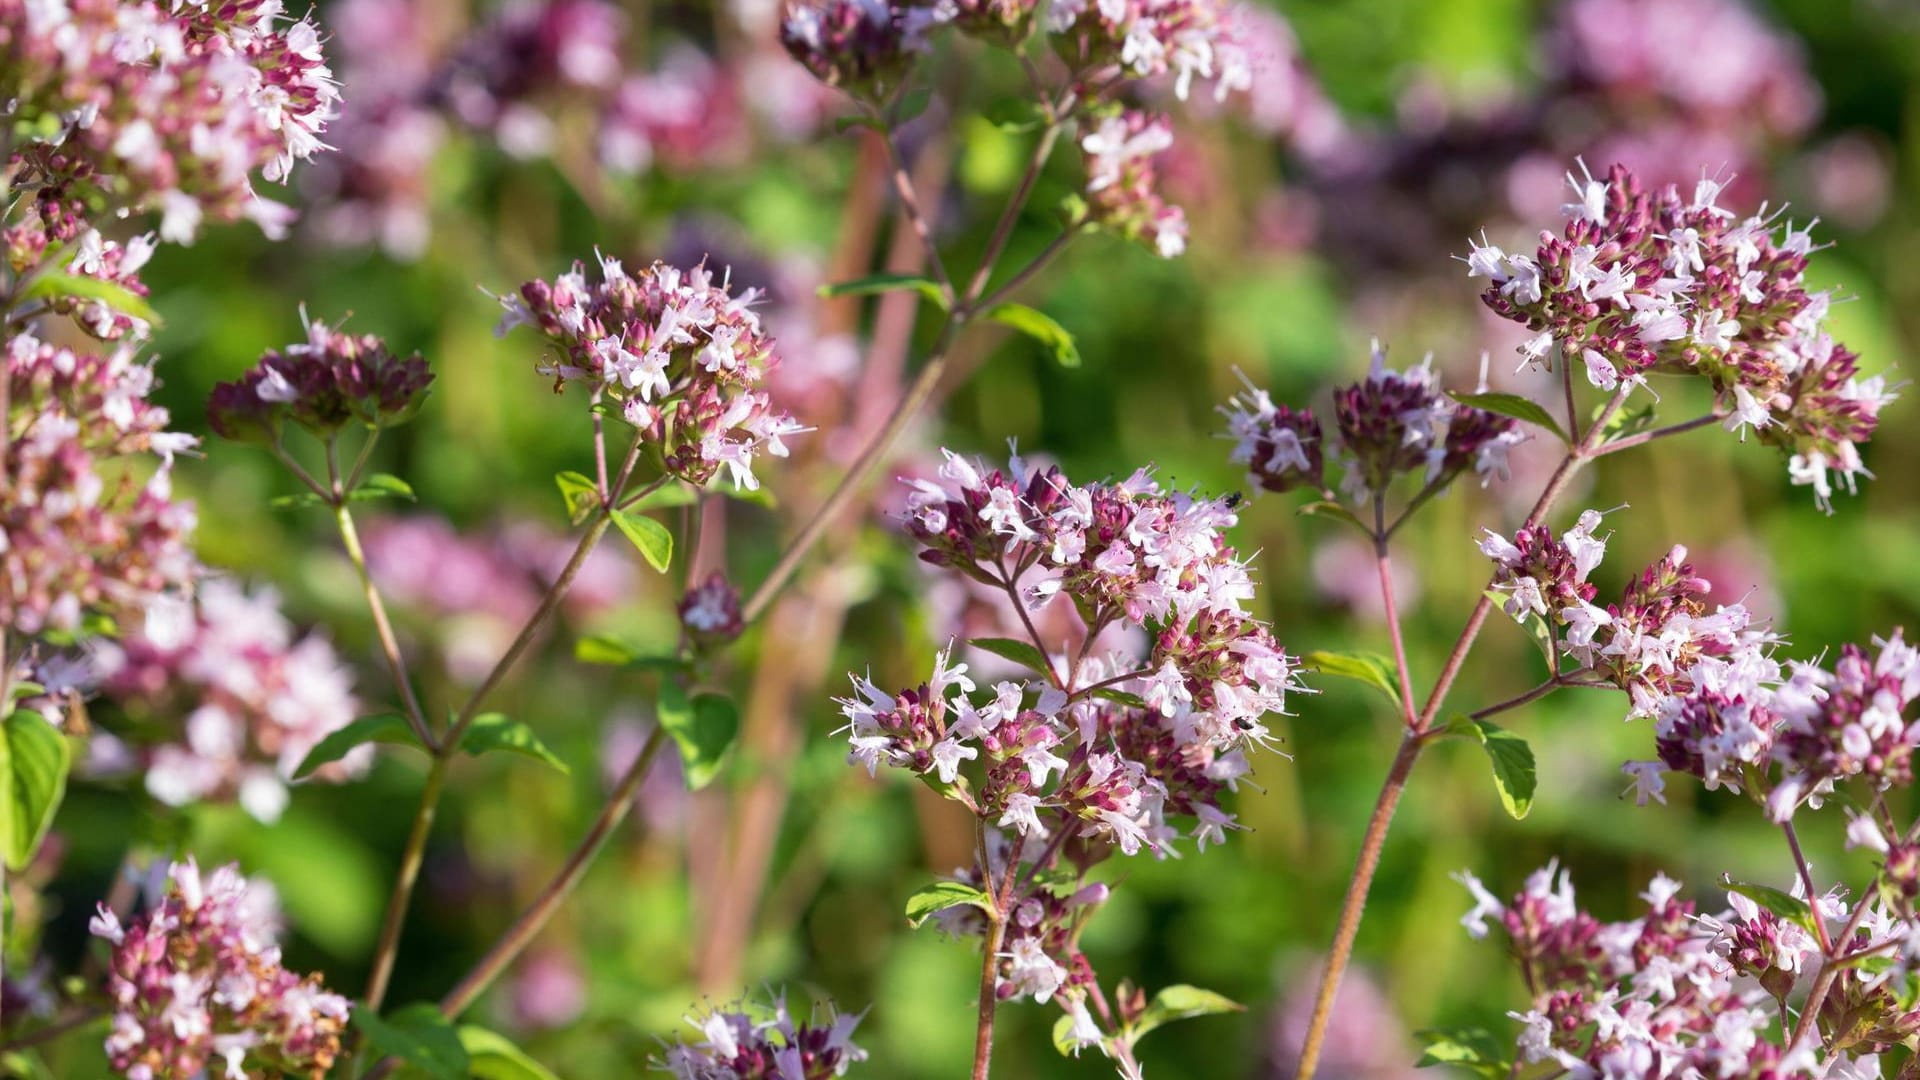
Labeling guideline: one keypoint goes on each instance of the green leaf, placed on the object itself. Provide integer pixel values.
(1337, 511)
(703, 727)
(1121, 697)
(418, 1035)
(383, 486)
(582, 495)
(1784, 905)
(1371, 668)
(1042, 328)
(496, 731)
(1180, 1002)
(1063, 1041)
(959, 791)
(1536, 627)
(389, 728)
(492, 1056)
(651, 537)
(1020, 652)
(885, 283)
(296, 500)
(21, 689)
(1474, 1049)
(613, 652)
(1511, 758)
(58, 285)
(942, 895)
(1520, 408)
(34, 759)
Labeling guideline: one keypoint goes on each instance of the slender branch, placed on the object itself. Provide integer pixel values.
(917, 218)
(1573, 409)
(960, 310)
(1026, 620)
(360, 460)
(1631, 441)
(1527, 698)
(990, 958)
(1434, 488)
(856, 475)
(1027, 272)
(411, 858)
(531, 921)
(300, 471)
(1354, 905)
(534, 919)
(548, 604)
(1806, 879)
(383, 629)
(1385, 564)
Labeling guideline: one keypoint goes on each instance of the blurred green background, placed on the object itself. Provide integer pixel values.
(1427, 92)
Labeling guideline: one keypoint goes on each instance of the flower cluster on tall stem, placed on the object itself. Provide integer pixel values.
(1643, 283)
(1092, 754)
(197, 985)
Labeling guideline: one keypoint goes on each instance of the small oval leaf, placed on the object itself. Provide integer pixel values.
(653, 539)
(703, 727)
(1042, 328)
(942, 895)
(496, 731)
(1513, 405)
(418, 1035)
(389, 728)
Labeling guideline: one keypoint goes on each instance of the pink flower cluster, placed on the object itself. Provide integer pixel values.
(171, 108)
(197, 985)
(256, 700)
(676, 350)
(1644, 283)
(1188, 39)
(1106, 771)
(1670, 994)
(79, 535)
(321, 385)
(1122, 193)
(743, 1042)
(1126, 553)
(1389, 424)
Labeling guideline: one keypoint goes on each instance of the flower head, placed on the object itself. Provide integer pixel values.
(197, 985)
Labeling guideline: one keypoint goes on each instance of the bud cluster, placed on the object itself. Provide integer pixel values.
(1642, 283)
(743, 1042)
(321, 385)
(863, 47)
(197, 987)
(171, 108)
(1389, 424)
(255, 700)
(80, 534)
(676, 351)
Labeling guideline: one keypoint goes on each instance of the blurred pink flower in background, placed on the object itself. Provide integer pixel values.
(1366, 1040)
(549, 990)
(1346, 574)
